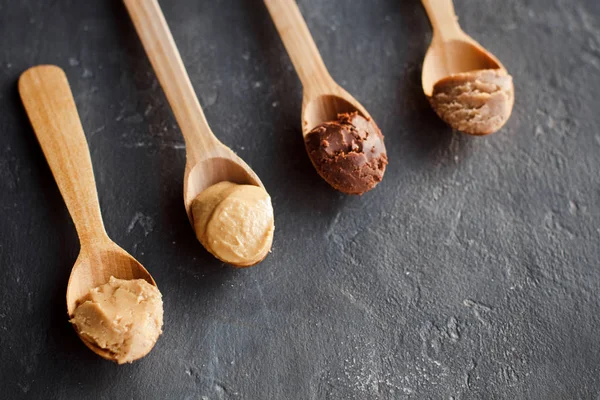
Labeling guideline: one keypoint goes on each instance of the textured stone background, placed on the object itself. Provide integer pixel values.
(471, 272)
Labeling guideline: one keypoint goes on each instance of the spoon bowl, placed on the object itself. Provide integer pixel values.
(51, 109)
(94, 267)
(114, 261)
(326, 107)
(202, 174)
(455, 56)
(466, 85)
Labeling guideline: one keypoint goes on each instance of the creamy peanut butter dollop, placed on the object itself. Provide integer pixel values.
(478, 102)
(124, 317)
(234, 222)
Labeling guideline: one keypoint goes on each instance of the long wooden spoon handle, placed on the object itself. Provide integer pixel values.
(443, 18)
(51, 109)
(157, 39)
(299, 44)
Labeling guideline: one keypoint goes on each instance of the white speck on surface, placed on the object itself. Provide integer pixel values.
(573, 207)
(274, 104)
(73, 62)
(144, 221)
(24, 388)
(257, 84)
(209, 96)
(97, 130)
(87, 73)
(246, 56)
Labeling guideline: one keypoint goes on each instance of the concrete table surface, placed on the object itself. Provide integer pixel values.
(471, 272)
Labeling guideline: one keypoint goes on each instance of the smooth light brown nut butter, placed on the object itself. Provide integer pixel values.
(234, 222)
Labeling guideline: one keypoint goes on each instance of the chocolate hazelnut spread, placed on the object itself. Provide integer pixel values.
(348, 153)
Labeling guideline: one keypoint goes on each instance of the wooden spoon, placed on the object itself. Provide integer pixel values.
(208, 160)
(323, 98)
(451, 51)
(49, 103)
(466, 85)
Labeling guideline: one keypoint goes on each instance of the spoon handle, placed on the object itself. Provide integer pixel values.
(443, 18)
(300, 45)
(49, 103)
(161, 49)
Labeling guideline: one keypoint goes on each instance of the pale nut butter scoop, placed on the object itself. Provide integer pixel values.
(477, 102)
(124, 317)
(234, 222)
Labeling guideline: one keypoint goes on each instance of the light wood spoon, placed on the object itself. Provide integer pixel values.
(323, 99)
(51, 109)
(466, 85)
(451, 51)
(208, 160)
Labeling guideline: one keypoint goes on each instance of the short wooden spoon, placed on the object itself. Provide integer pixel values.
(323, 98)
(208, 160)
(49, 103)
(454, 61)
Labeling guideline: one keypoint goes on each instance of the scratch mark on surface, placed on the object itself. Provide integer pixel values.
(478, 308)
(98, 130)
(453, 226)
(263, 302)
(356, 302)
(468, 376)
(452, 329)
(333, 224)
(168, 145)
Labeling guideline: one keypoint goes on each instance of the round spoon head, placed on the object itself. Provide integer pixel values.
(224, 166)
(343, 142)
(94, 267)
(466, 85)
(445, 58)
(326, 107)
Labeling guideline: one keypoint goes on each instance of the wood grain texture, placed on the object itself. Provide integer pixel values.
(51, 109)
(323, 98)
(49, 103)
(451, 50)
(208, 160)
(472, 271)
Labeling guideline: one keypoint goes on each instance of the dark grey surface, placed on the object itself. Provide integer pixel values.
(471, 272)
